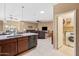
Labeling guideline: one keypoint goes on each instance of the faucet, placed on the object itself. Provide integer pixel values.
(13, 30)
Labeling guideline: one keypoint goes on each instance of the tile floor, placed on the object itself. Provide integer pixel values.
(67, 50)
(44, 48)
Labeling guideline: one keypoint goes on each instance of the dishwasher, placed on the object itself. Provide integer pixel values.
(32, 42)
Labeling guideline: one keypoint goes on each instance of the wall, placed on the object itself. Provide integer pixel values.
(14, 24)
(61, 8)
(46, 24)
(27, 25)
(20, 25)
(1, 25)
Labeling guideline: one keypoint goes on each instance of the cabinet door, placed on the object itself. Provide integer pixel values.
(9, 47)
(22, 44)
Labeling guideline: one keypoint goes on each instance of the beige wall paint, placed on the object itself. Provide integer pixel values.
(20, 25)
(14, 24)
(26, 25)
(46, 24)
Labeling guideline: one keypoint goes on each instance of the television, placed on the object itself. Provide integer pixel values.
(44, 28)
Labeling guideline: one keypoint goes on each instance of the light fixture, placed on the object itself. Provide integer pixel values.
(11, 17)
(38, 24)
(42, 12)
(22, 11)
(4, 11)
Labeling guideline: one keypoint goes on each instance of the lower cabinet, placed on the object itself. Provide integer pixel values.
(9, 47)
(22, 44)
(14, 46)
(0, 49)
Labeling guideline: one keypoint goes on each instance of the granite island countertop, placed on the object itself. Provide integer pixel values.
(5, 37)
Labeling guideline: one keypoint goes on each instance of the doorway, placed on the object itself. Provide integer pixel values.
(66, 32)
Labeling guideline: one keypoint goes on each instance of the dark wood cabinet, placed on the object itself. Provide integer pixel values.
(9, 47)
(22, 44)
(13, 46)
(0, 49)
(16, 45)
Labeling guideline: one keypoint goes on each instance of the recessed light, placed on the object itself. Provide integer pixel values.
(42, 12)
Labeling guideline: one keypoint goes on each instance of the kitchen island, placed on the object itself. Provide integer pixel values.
(13, 45)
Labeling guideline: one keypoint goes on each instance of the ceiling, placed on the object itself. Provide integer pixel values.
(31, 11)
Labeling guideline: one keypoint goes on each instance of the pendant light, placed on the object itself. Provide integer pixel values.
(22, 10)
(38, 24)
(24, 30)
(4, 11)
(5, 21)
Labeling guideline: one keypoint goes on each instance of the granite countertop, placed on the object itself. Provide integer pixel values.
(4, 37)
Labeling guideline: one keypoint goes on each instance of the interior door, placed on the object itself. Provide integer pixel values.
(60, 31)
